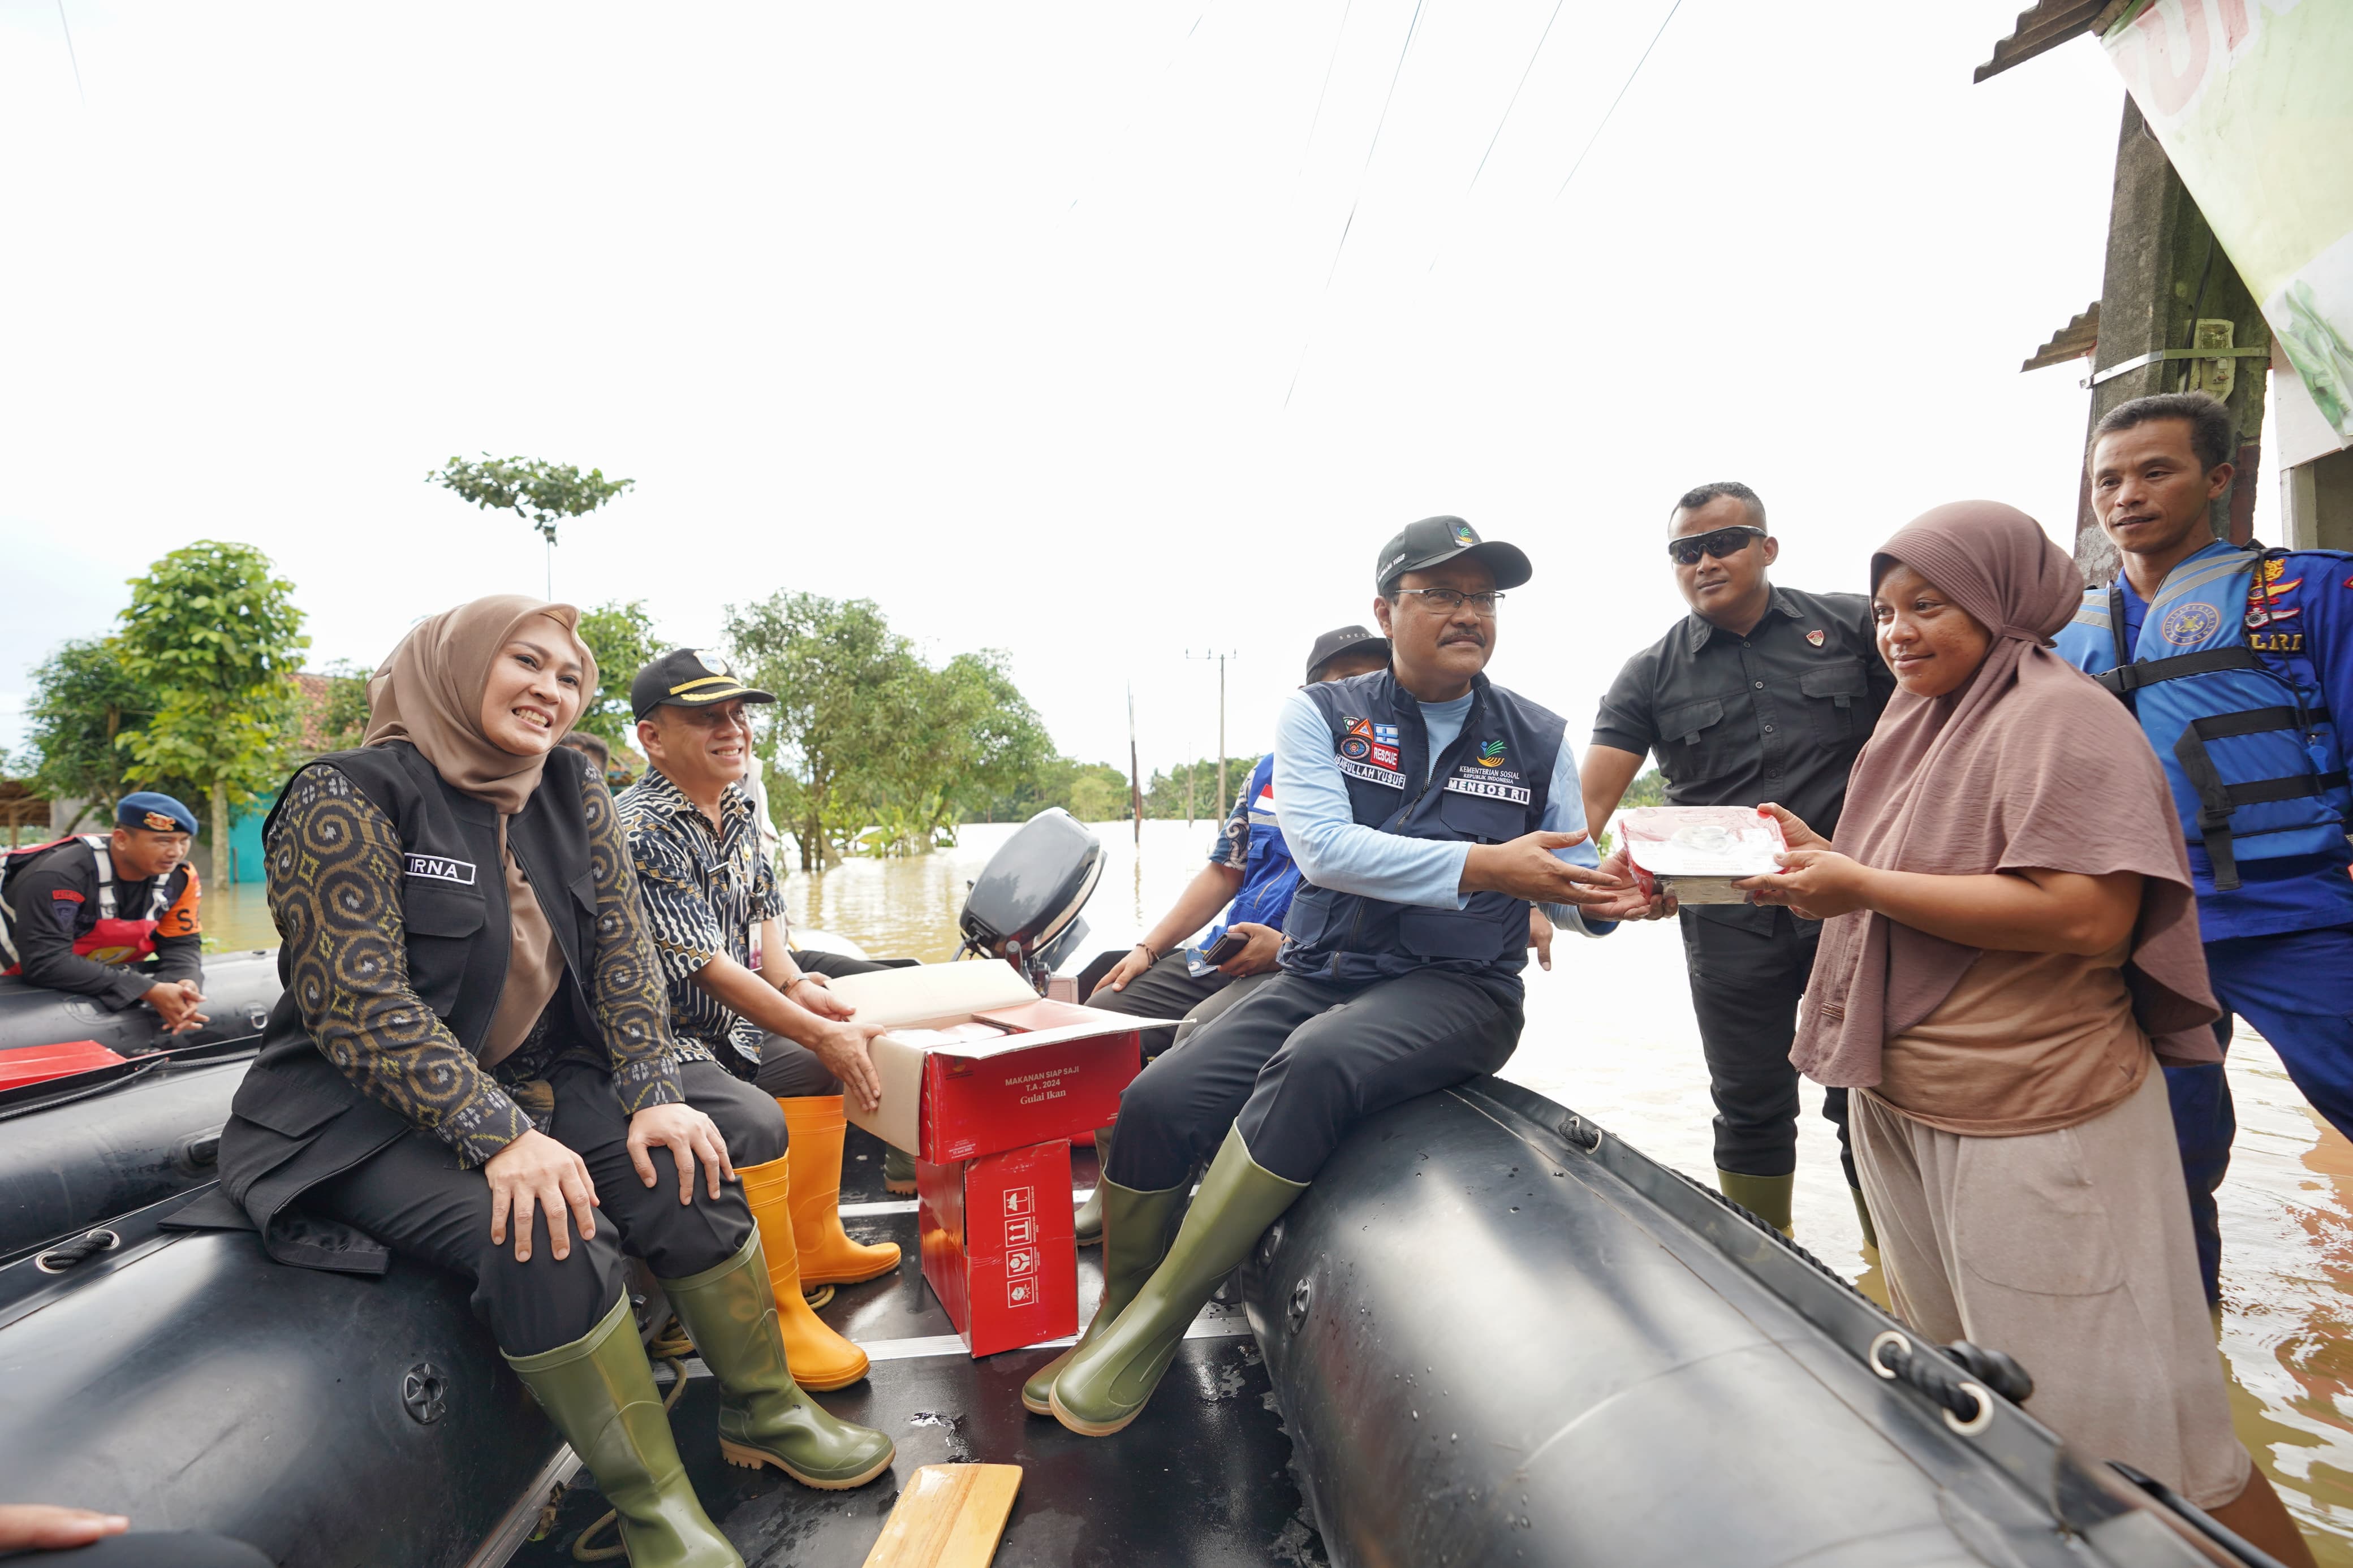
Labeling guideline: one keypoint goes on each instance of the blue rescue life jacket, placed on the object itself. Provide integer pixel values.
(1269, 876)
(2257, 769)
(1488, 787)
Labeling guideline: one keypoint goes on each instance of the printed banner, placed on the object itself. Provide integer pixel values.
(2249, 99)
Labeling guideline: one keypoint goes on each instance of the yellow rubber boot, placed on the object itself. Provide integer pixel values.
(827, 1256)
(820, 1358)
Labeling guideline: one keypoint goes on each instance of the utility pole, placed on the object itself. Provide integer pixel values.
(1135, 788)
(1220, 658)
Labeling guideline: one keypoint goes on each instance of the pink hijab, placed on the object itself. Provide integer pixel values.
(2029, 765)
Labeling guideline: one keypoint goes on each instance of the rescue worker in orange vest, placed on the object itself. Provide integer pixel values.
(112, 917)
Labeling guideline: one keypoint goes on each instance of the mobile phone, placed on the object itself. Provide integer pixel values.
(1225, 948)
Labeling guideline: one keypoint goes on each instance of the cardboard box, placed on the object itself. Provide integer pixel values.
(977, 1063)
(997, 1246)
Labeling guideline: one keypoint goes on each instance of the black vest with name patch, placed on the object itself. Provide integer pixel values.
(1488, 787)
(457, 934)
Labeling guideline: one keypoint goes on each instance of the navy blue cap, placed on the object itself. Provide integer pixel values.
(155, 812)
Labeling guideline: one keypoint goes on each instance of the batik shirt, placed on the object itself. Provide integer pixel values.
(706, 893)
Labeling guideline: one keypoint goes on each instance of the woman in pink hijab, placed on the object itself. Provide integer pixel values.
(2010, 948)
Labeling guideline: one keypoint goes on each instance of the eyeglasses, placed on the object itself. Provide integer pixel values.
(1446, 601)
(1721, 542)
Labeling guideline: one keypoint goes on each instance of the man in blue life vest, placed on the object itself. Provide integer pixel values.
(1427, 809)
(2234, 659)
(1250, 869)
(111, 916)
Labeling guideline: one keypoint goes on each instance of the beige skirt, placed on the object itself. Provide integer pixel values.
(2072, 1251)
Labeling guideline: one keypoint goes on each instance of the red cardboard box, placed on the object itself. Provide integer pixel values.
(997, 1247)
(977, 1063)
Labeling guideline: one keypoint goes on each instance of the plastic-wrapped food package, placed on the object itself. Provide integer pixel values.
(1697, 852)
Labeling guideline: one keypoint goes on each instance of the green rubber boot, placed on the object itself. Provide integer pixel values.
(730, 1312)
(898, 1170)
(1863, 1212)
(1087, 1224)
(1135, 1237)
(1766, 1197)
(1108, 1379)
(599, 1393)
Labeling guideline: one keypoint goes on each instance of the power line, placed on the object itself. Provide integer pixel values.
(1516, 97)
(1614, 102)
(1320, 92)
(70, 56)
(1356, 200)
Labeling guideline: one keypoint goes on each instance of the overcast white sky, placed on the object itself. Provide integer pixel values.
(1024, 319)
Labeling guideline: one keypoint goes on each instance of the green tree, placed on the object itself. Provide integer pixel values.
(217, 639)
(1164, 796)
(868, 748)
(1651, 789)
(841, 676)
(84, 702)
(541, 493)
(344, 724)
(621, 637)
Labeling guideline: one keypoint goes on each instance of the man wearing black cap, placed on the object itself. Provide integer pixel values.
(1427, 809)
(112, 917)
(716, 911)
(1249, 867)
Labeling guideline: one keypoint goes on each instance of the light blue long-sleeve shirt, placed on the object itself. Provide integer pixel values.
(1336, 851)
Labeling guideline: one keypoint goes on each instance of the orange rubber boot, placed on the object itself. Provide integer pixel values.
(819, 1358)
(828, 1255)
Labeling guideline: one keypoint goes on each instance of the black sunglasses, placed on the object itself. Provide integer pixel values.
(1721, 542)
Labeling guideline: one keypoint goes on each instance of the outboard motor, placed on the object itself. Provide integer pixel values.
(1024, 907)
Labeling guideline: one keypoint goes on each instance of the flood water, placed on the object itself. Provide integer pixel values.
(1610, 1034)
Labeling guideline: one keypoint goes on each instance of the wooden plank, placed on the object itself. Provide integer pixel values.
(950, 1515)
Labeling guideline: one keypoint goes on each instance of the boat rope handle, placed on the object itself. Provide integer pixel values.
(58, 1259)
(1966, 1407)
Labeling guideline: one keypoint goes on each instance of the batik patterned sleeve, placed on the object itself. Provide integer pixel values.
(632, 1008)
(334, 894)
(685, 929)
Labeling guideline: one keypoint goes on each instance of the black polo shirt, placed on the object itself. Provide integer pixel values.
(1777, 715)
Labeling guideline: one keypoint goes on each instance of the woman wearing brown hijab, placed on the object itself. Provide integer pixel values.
(472, 1065)
(2011, 946)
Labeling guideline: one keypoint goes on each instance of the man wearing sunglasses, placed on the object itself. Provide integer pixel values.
(1761, 693)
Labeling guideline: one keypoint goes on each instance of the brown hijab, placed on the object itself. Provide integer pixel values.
(2030, 765)
(430, 693)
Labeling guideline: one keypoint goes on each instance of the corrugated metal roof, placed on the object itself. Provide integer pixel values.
(2076, 340)
(2047, 25)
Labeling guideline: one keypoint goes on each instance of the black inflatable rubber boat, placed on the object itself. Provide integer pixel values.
(1488, 1333)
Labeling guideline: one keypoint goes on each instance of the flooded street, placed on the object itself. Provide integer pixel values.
(1610, 1034)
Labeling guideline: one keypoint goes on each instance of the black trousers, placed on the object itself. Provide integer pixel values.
(150, 1549)
(417, 1199)
(1167, 990)
(790, 1070)
(1297, 1063)
(1744, 986)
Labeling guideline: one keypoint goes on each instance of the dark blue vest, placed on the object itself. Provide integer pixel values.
(1488, 787)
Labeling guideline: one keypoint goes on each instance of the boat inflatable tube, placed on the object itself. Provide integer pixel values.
(79, 1150)
(184, 1379)
(239, 989)
(1500, 1336)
